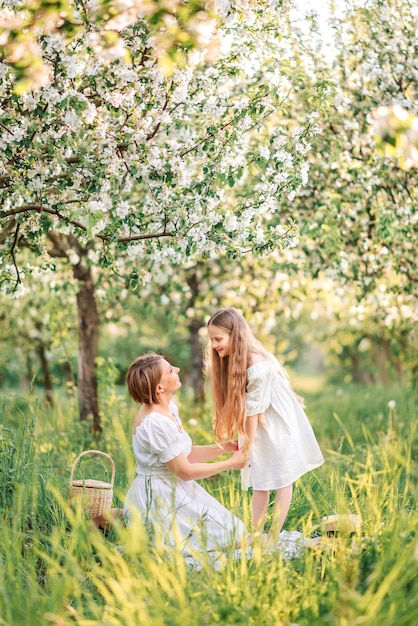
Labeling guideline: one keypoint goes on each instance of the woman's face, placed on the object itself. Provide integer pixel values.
(220, 339)
(170, 380)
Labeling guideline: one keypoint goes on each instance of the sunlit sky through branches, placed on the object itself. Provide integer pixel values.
(302, 8)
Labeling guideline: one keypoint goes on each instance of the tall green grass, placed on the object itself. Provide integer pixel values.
(56, 568)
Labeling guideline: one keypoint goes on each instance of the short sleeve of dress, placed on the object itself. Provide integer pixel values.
(258, 394)
(163, 438)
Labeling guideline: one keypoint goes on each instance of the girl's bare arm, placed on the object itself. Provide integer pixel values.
(251, 426)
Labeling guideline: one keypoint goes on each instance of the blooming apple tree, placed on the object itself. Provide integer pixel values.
(364, 203)
(358, 212)
(116, 162)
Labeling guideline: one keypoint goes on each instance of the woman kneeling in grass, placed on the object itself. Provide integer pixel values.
(165, 490)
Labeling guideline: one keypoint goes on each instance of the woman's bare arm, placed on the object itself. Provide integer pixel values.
(200, 454)
(181, 466)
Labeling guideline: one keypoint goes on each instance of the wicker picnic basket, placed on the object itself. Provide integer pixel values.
(95, 495)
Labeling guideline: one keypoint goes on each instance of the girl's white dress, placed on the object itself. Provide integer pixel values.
(182, 512)
(284, 446)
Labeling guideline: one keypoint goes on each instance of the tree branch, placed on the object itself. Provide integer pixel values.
(142, 237)
(152, 134)
(12, 253)
(39, 208)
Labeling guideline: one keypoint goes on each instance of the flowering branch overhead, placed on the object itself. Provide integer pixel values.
(118, 153)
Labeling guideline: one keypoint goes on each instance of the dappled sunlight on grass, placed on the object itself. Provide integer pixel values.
(307, 383)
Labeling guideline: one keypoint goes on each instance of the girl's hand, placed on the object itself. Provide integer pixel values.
(230, 446)
(239, 458)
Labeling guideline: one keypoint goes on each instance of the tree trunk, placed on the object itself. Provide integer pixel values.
(355, 367)
(88, 339)
(46, 373)
(196, 376)
(29, 374)
(380, 358)
(396, 362)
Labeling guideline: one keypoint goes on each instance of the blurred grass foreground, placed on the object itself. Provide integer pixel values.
(57, 568)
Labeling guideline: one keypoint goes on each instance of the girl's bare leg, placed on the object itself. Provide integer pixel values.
(281, 508)
(260, 503)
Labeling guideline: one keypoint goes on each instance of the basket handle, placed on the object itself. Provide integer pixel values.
(108, 457)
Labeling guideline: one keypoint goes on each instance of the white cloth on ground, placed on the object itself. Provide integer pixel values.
(291, 545)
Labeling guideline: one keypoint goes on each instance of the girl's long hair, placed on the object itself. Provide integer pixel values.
(229, 373)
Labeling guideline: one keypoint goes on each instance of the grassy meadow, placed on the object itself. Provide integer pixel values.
(57, 569)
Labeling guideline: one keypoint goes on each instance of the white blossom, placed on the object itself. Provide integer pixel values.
(304, 169)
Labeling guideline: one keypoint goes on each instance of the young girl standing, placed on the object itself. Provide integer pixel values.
(253, 397)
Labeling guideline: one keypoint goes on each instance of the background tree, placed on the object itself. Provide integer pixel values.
(357, 214)
(359, 207)
(36, 333)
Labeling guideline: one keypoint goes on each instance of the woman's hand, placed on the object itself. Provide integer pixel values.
(239, 458)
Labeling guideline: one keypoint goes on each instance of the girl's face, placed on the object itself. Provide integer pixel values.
(170, 380)
(220, 339)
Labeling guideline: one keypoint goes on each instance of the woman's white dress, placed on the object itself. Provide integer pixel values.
(284, 446)
(182, 511)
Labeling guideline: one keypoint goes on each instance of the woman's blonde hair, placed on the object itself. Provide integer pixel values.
(143, 376)
(229, 373)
